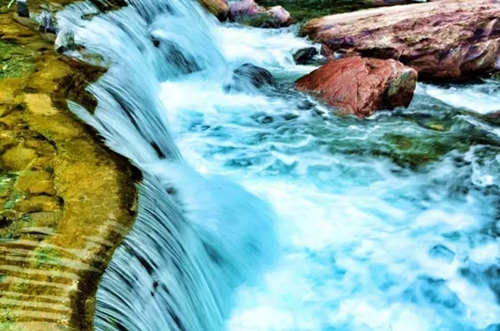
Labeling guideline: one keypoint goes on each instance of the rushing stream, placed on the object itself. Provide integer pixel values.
(389, 224)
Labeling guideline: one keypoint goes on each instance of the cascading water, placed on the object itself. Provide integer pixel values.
(196, 239)
(384, 224)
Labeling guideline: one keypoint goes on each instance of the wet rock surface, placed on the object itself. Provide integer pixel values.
(361, 86)
(305, 55)
(66, 201)
(446, 40)
(248, 75)
(219, 8)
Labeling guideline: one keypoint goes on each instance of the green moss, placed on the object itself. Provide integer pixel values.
(15, 61)
(303, 10)
(4, 4)
(13, 198)
(263, 20)
(415, 152)
(45, 256)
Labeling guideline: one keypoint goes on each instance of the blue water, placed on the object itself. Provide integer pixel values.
(367, 244)
(387, 224)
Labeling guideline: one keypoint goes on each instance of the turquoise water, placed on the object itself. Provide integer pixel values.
(389, 223)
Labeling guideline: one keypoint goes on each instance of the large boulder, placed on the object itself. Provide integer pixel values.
(219, 8)
(361, 86)
(248, 12)
(444, 40)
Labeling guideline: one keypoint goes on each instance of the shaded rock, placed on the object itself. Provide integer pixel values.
(22, 8)
(7, 217)
(219, 8)
(447, 40)
(305, 55)
(248, 12)
(361, 86)
(39, 203)
(106, 5)
(248, 75)
(39, 182)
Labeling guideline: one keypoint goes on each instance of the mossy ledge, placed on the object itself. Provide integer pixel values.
(66, 201)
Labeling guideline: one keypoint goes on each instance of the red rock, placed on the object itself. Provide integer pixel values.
(361, 86)
(443, 40)
(248, 12)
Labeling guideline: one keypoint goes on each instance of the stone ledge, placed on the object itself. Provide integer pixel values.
(66, 201)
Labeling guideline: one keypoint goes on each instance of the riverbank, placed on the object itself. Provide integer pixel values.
(66, 200)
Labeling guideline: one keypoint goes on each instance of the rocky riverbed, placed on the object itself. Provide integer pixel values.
(66, 201)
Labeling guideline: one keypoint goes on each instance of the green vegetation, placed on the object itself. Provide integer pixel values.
(15, 61)
(46, 256)
(303, 10)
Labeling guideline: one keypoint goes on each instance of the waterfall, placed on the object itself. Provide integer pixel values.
(389, 223)
(196, 238)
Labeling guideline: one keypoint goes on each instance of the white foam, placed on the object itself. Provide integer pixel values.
(482, 98)
(356, 239)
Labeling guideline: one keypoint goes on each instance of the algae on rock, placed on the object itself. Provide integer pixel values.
(66, 201)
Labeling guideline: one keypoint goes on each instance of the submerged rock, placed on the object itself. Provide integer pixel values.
(65, 41)
(47, 23)
(248, 75)
(361, 86)
(305, 55)
(219, 8)
(248, 12)
(446, 40)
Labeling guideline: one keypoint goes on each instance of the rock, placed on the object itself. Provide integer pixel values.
(248, 75)
(65, 41)
(7, 217)
(107, 5)
(361, 86)
(248, 12)
(36, 182)
(446, 40)
(305, 55)
(22, 8)
(39, 203)
(219, 8)
(47, 23)
(17, 158)
(39, 46)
